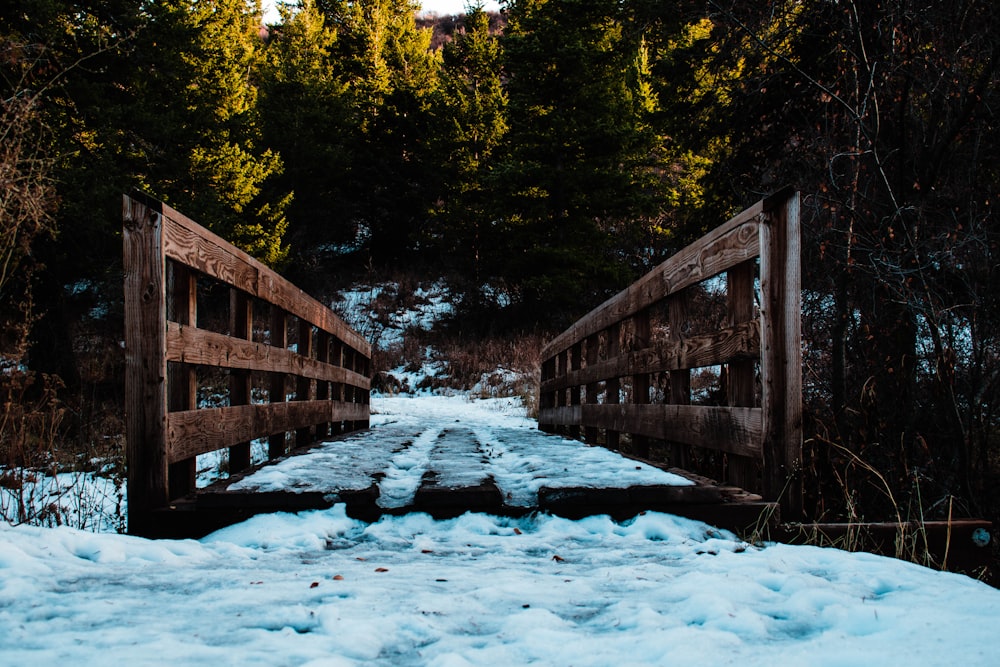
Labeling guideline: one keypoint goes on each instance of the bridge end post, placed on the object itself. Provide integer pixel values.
(781, 351)
(145, 364)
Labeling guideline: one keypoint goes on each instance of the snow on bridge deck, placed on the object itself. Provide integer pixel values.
(447, 455)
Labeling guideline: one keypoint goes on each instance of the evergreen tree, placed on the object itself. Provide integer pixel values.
(578, 192)
(307, 118)
(471, 115)
(386, 63)
(201, 129)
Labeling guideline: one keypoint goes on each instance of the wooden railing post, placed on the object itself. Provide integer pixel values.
(240, 326)
(322, 387)
(182, 379)
(145, 364)
(303, 385)
(680, 380)
(742, 471)
(613, 386)
(593, 352)
(640, 381)
(781, 352)
(575, 355)
(277, 442)
(337, 389)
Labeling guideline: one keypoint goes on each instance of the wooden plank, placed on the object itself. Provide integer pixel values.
(208, 348)
(591, 390)
(182, 379)
(303, 385)
(740, 373)
(732, 430)
(190, 243)
(729, 244)
(323, 386)
(642, 334)
(781, 353)
(613, 395)
(196, 432)
(680, 378)
(240, 384)
(737, 342)
(145, 364)
(277, 443)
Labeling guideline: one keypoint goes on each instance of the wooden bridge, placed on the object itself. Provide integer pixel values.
(695, 368)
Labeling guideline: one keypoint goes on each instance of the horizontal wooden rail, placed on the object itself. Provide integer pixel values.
(607, 375)
(167, 257)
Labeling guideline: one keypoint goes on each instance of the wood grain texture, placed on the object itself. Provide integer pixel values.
(732, 430)
(162, 357)
(734, 242)
(194, 432)
(781, 353)
(208, 348)
(739, 342)
(195, 246)
(144, 267)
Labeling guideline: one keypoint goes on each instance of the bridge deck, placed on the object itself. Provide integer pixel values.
(446, 456)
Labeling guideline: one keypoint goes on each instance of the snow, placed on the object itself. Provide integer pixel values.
(464, 441)
(320, 588)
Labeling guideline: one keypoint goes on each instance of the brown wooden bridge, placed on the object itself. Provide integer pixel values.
(696, 367)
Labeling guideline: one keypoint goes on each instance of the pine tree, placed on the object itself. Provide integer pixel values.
(471, 114)
(201, 127)
(576, 179)
(385, 61)
(307, 118)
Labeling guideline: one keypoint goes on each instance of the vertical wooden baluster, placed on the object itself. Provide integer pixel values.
(614, 385)
(303, 385)
(781, 353)
(144, 268)
(590, 433)
(276, 443)
(640, 382)
(322, 387)
(575, 357)
(182, 383)
(680, 380)
(240, 326)
(740, 376)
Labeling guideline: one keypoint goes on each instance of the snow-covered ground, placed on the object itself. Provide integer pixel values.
(463, 441)
(320, 588)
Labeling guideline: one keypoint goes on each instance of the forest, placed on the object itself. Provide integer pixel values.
(539, 160)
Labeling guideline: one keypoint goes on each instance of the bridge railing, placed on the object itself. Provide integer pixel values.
(298, 370)
(622, 375)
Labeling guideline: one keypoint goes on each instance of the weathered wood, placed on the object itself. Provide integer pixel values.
(613, 395)
(196, 432)
(640, 379)
(741, 471)
(745, 439)
(323, 385)
(144, 265)
(591, 390)
(719, 347)
(680, 376)
(195, 246)
(734, 242)
(732, 430)
(781, 353)
(277, 442)
(240, 385)
(303, 385)
(182, 379)
(164, 430)
(208, 348)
